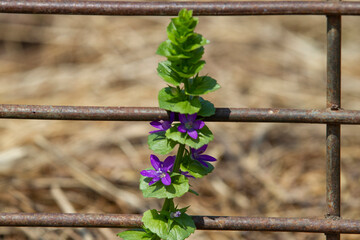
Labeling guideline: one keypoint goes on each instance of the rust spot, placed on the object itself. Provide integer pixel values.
(335, 107)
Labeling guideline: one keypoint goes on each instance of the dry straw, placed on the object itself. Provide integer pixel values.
(264, 169)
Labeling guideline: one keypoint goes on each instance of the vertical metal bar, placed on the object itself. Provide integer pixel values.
(333, 102)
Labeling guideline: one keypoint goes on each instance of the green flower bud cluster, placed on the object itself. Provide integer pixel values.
(183, 50)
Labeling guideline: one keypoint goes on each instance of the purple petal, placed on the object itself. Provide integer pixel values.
(206, 158)
(182, 118)
(198, 124)
(166, 125)
(192, 117)
(148, 173)
(201, 150)
(192, 150)
(155, 162)
(156, 124)
(166, 180)
(203, 163)
(182, 128)
(168, 163)
(172, 117)
(193, 133)
(186, 174)
(177, 214)
(154, 180)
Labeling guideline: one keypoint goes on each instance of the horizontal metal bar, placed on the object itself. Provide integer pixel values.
(201, 222)
(151, 114)
(172, 8)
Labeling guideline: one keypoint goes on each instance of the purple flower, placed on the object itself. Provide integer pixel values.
(196, 154)
(161, 170)
(186, 174)
(189, 124)
(175, 214)
(163, 125)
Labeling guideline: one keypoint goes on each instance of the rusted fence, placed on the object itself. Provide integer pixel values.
(333, 116)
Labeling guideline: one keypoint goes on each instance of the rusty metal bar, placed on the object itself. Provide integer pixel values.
(172, 8)
(201, 222)
(333, 117)
(333, 102)
(152, 113)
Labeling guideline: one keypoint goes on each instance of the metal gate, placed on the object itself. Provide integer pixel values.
(333, 116)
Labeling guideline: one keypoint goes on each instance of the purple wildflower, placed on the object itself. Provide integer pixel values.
(161, 170)
(163, 125)
(186, 174)
(196, 154)
(175, 214)
(189, 124)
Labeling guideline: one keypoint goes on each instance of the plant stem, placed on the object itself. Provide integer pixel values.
(166, 205)
(179, 157)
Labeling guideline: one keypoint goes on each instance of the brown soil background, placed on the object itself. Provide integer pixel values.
(263, 169)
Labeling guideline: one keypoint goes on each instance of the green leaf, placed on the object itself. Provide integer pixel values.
(185, 15)
(178, 229)
(156, 223)
(137, 234)
(205, 136)
(171, 51)
(194, 192)
(201, 85)
(194, 57)
(181, 27)
(207, 108)
(193, 42)
(186, 222)
(195, 168)
(185, 38)
(183, 24)
(175, 135)
(179, 186)
(187, 68)
(160, 144)
(178, 34)
(168, 74)
(175, 100)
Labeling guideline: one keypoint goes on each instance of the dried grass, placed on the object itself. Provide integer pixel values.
(263, 169)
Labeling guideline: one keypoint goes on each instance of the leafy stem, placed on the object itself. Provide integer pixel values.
(179, 157)
(169, 178)
(167, 204)
(169, 201)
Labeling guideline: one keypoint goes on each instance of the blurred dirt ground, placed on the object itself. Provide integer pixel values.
(263, 169)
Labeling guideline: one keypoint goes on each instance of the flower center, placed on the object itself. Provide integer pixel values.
(161, 174)
(195, 155)
(189, 125)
